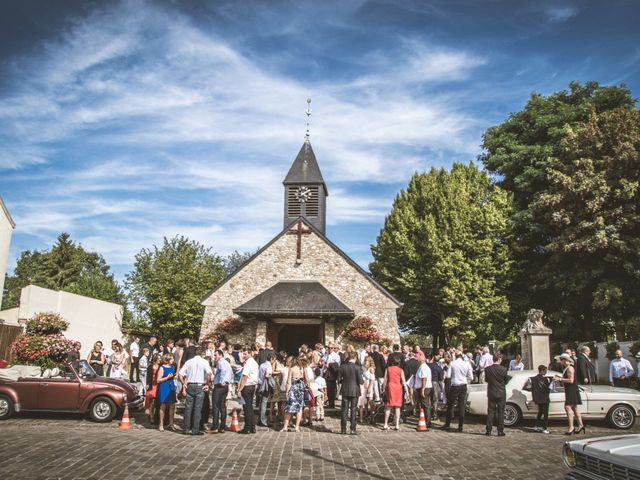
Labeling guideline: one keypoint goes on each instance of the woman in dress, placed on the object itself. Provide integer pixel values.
(296, 386)
(395, 386)
(274, 399)
(97, 359)
(516, 363)
(284, 376)
(150, 404)
(166, 390)
(118, 360)
(571, 394)
(370, 392)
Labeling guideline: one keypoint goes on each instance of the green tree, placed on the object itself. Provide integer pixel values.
(571, 162)
(167, 283)
(235, 260)
(67, 266)
(443, 252)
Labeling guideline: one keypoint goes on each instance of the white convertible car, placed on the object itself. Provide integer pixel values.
(618, 405)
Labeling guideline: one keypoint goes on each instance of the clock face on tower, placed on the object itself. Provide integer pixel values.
(303, 194)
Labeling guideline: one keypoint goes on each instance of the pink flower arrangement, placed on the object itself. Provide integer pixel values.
(361, 329)
(46, 323)
(36, 349)
(229, 325)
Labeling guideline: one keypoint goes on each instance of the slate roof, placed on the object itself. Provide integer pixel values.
(295, 297)
(323, 237)
(305, 169)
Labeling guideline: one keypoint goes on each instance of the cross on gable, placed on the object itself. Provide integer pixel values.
(299, 230)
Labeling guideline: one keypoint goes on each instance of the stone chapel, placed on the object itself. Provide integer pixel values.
(300, 287)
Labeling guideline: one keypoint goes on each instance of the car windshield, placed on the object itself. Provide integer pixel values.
(85, 370)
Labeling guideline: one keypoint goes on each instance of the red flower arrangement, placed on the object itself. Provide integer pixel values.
(230, 325)
(361, 329)
(43, 343)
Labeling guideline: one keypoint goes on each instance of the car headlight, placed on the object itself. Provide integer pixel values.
(568, 456)
(124, 396)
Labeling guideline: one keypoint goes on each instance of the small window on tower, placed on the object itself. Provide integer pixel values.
(311, 206)
(293, 203)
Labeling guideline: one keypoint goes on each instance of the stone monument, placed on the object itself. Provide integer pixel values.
(534, 338)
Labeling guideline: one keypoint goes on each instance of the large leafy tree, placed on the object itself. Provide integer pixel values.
(443, 252)
(571, 162)
(167, 282)
(66, 266)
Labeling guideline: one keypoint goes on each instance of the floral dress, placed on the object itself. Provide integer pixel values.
(295, 399)
(277, 379)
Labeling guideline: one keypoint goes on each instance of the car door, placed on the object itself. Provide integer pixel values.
(27, 390)
(556, 400)
(60, 393)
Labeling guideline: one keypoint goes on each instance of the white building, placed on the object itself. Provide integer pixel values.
(6, 229)
(89, 319)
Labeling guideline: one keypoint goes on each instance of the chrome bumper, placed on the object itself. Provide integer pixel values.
(135, 404)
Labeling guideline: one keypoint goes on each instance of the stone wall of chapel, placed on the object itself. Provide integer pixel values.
(319, 262)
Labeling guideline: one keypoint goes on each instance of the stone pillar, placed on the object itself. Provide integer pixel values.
(329, 332)
(534, 338)
(261, 332)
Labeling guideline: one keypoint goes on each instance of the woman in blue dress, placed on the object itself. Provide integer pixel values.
(297, 384)
(166, 390)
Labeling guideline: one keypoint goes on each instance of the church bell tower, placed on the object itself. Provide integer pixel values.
(305, 193)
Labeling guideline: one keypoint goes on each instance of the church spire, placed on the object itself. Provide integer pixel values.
(304, 189)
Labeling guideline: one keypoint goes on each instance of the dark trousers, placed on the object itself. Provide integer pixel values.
(435, 398)
(543, 414)
(457, 394)
(206, 409)
(424, 402)
(134, 369)
(618, 382)
(219, 407)
(495, 413)
(349, 410)
(248, 393)
(193, 407)
(332, 390)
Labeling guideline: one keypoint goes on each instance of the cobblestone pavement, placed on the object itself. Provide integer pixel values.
(57, 446)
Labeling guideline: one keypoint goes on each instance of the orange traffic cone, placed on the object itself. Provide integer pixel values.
(124, 424)
(422, 423)
(235, 427)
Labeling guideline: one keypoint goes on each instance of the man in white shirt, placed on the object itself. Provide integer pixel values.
(423, 385)
(195, 376)
(134, 352)
(247, 388)
(461, 375)
(264, 374)
(108, 353)
(486, 360)
(620, 371)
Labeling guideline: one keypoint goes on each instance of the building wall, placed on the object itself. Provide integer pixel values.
(6, 229)
(89, 319)
(319, 262)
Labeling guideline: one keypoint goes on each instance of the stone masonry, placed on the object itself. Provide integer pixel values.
(319, 262)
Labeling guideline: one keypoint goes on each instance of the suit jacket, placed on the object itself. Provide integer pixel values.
(350, 378)
(585, 369)
(496, 377)
(378, 360)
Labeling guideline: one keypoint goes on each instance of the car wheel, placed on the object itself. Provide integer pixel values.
(512, 415)
(102, 410)
(6, 407)
(621, 416)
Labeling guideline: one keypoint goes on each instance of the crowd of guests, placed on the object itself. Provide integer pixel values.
(376, 384)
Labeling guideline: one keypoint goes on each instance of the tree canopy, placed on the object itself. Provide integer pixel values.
(167, 283)
(571, 161)
(67, 266)
(443, 252)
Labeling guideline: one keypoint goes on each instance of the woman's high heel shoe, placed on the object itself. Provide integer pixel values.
(570, 432)
(583, 429)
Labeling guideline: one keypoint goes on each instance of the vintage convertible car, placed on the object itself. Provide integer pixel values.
(618, 405)
(605, 458)
(77, 390)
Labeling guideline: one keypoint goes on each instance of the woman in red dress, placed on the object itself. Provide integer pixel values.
(394, 385)
(152, 387)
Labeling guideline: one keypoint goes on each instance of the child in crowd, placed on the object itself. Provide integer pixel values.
(143, 365)
(319, 386)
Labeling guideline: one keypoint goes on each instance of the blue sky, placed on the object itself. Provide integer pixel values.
(125, 121)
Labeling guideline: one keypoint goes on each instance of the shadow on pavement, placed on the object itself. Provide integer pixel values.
(313, 453)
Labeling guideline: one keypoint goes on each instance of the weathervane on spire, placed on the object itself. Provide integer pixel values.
(308, 113)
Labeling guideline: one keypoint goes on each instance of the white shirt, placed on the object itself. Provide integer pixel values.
(620, 367)
(108, 351)
(284, 371)
(423, 373)
(196, 370)
(363, 356)
(333, 357)
(266, 370)
(486, 360)
(251, 371)
(460, 371)
(144, 363)
(514, 365)
(321, 382)
(134, 348)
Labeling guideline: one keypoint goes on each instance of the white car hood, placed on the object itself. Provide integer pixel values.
(619, 449)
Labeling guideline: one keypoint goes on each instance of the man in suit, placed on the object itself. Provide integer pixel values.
(350, 378)
(585, 370)
(378, 361)
(496, 377)
(397, 354)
